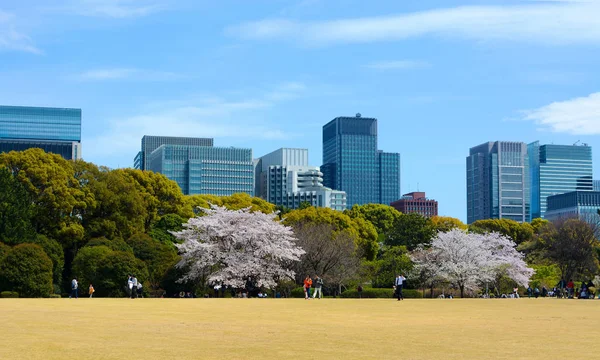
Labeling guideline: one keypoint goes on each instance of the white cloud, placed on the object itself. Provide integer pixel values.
(116, 8)
(13, 40)
(126, 73)
(201, 117)
(397, 65)
(549, 23)
(579, 116)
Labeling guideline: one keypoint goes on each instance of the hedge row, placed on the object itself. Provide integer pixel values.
(9, 294)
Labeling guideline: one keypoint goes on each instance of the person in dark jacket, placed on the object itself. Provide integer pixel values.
(318, 287)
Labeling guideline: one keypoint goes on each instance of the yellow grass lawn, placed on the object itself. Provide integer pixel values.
(299, 329)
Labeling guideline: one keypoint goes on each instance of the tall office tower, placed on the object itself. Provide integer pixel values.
(557, 169)
(352, 163)
(596, 185)
(284, 178)
(55, 130)
(498, 185)
(205, 169)
(151, 143)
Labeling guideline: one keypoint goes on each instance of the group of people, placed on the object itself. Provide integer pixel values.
(134, 287)
(75, 289)
(318, 286)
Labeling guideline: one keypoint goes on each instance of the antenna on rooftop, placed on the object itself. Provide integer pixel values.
(576, 142)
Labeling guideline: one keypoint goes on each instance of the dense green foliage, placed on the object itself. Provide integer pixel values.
(16, 211)
(27, 270)
(518, 232)
(410, 230)
(392, 261)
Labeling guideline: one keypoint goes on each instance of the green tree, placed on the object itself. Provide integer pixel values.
(410, 230)
(571, 245)
(161, 230)
(15, 210)
(446, 223)
(107, 269)
(159, 257)
(56, 254)
(538, 225)
(234, 202)
(57, 196)
(116, 244)
(27, 270)
(545, 275)
(381, 216)
(363, 231)
(518, 232)
(304, 205)
(4, 249)
(392, 262)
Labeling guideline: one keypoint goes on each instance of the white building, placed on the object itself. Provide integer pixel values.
(284, 178)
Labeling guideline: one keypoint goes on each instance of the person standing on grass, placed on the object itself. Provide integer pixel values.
(74, 287)
(307, 285)
(399, 283)
(129, 284)
(139, 289)
(91, 290)
(134, 284)
(318, 287)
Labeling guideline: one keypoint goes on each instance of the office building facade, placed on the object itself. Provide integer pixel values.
(284, 178)
(583, 205)
(498, 185)
(416, 202)
(55, 130)
(151, 143)
(557, 169)
(205, 169)
(352, 163)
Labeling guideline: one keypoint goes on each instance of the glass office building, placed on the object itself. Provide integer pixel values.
(204, 169)
(151, 143)
(583, 205)
(351, 162)
(498, 185)
(557, 169)
(56, 130)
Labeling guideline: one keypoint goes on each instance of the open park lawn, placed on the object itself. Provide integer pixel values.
(298, 329)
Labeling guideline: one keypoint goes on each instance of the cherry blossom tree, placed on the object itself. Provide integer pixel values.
(231, 247)
(469, 260)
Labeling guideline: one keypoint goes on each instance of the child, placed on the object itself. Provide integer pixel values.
(91, 291)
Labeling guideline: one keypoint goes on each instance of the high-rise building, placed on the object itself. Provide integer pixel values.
(352, 163)
(151, 143)
(557, 169)
(498, 185)
(596, 185)
(55, 130)
(205, 169)
(583, 205)
(416, 202)
(284, 178)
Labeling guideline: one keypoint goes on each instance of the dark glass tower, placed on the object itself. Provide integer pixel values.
(351, 162)
(498, 185)
(151, 143)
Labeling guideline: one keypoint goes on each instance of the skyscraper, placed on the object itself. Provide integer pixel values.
(557, 169)
(284, 177)
(205, 169)
(151, 143)
(498, 185)
(55, 130)
(352, 163)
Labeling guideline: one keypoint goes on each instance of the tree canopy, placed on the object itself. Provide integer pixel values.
(381, 216)
(410, 230)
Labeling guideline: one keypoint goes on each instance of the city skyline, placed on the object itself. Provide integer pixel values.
(269, 75)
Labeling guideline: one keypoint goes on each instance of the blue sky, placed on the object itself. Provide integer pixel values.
(441, 76)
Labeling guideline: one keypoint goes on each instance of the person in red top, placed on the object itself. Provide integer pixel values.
(570, 287)
(307, 285)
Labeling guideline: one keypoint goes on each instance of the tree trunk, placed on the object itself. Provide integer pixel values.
(462, 291)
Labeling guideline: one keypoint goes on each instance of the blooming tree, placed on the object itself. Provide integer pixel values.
(235, 246)
(467, 259)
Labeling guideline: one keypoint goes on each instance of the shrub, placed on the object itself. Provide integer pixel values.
(28, 270)
(371, 293)
(297, 293)
(54, 296)
(9, 294)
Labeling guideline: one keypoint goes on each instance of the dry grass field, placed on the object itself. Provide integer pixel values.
(290, 328)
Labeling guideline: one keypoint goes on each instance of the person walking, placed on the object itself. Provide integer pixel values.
(318, 287)
(399, 283)
(307, 285)
(139, 289)
(129, 285)
(91, 290)
(74, 288)
(134, 284)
